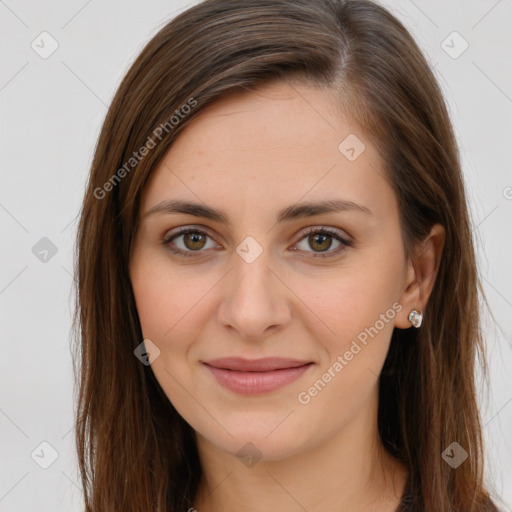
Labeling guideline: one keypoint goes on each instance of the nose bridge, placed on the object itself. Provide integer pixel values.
(255, 298)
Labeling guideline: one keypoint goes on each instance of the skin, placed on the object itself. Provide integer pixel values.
(252, 154)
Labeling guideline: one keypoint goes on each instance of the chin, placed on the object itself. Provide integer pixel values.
(258, 441)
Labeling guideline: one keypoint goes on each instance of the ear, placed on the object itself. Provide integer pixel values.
(420, 275)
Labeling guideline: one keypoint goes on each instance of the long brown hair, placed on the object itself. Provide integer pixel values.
(135, 451)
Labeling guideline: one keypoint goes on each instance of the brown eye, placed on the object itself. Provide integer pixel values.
(194, 240)
(320, 242)
(188, 241)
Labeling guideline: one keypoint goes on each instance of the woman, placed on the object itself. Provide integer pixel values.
(277, 288)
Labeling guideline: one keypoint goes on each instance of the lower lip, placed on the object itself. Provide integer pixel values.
(255, 383)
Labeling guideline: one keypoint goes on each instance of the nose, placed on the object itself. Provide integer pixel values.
(255, 301)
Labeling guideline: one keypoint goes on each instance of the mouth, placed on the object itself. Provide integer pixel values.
(256, 376)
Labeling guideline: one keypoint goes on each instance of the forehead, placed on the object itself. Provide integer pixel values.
(268, 148)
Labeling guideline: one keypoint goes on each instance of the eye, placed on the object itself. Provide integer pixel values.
(193, 240)
(320, 239)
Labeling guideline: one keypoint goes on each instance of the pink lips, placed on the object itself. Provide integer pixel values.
(255, 376)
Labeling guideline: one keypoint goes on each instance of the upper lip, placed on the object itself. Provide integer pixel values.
(255, 365)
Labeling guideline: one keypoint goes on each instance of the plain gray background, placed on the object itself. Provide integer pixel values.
(51, 112)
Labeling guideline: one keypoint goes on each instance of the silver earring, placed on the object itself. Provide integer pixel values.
(415, 317)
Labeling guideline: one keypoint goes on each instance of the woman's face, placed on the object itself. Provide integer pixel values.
(251, 281)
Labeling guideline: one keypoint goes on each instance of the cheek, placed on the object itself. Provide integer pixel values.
(354, 302)
(359, 307)
(347, 377)
(169, 305)
(154, 301)
(166, 298)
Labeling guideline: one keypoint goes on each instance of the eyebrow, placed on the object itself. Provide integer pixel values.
(296, 211)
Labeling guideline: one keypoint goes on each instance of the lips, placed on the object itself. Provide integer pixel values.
(256, 376)
(255, 365)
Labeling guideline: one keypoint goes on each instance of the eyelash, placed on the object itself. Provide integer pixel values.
(344, 242)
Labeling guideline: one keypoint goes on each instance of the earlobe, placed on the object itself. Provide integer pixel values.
(420, 278)
(409, 298)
